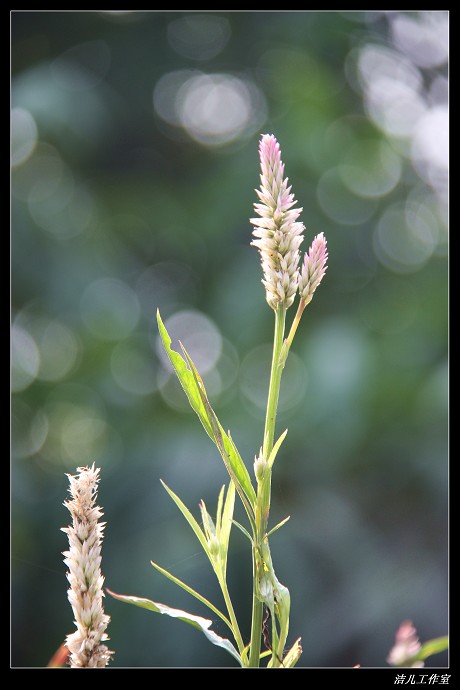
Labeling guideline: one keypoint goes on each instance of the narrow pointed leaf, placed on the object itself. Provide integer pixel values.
(198, 622)
(276, 447)
(193, 386)
(190, 519)
(220, 503)
(237, 460)
(244, 530)
(226, 524)
(280, 524)
(185, 376)
(192, 591)
(232, 459)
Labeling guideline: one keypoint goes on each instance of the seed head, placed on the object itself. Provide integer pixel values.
(86, 581)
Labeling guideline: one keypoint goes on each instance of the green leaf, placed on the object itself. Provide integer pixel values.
(236, 460)
(198, 622)
(435, 646)
(225, 524)
(280, 524)
(185, 377)
(193, 592)
(275, 448)
(244, 530)
(190, 519)
(194, 388)
(220, 503)
(232, 459)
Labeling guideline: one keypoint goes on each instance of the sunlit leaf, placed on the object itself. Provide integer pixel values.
(275, 449)
(198, 622)
(232, 459)
(193, 386)
(185, 377)
(226, 524)
(220, 503)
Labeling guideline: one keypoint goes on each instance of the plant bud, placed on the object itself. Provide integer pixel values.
(260, 468)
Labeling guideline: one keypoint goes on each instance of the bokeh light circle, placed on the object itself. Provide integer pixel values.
(199, 336)
(24, 135)
(254, 378)
(110, 309)
(214, 109)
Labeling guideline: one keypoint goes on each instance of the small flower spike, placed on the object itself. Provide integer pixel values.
(278, 233)
(313, 268)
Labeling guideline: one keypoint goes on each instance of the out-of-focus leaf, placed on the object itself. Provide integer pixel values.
(198, 622)
(435, 646)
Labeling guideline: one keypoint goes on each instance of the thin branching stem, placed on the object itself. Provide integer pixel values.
(263, 493)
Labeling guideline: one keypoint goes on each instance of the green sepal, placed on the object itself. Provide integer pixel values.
(198, 622)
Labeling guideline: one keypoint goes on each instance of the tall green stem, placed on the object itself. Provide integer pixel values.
(275, 381)
(263, 490)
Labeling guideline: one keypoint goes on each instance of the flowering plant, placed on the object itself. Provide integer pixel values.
(278, 235)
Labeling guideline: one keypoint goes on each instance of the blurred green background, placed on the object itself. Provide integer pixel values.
(134, 163)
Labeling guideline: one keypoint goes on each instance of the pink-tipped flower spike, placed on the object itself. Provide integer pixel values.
(84, 562)
(278, 233)
(406, 646)
(313, 268)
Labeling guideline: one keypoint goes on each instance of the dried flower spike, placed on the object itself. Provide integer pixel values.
(313, 268)
(86, 581)
(278, 233)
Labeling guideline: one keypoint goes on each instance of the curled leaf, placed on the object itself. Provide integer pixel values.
(198, 622)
